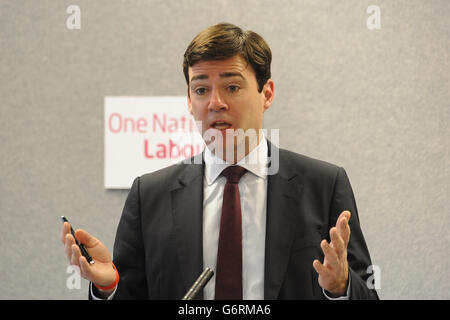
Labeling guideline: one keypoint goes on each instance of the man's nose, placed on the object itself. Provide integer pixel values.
(216, 103)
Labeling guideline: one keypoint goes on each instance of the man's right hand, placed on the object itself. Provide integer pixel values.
(101, 272)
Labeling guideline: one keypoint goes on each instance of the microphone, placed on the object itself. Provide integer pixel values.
(199, 284)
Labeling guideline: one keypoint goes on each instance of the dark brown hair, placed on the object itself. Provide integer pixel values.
(225, 40)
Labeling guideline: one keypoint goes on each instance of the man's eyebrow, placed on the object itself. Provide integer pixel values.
(222, 75)
(231, 74)
(199, 77)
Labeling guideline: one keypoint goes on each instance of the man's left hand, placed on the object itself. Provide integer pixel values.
(333, 273)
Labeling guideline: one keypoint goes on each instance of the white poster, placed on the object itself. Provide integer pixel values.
(144, 134)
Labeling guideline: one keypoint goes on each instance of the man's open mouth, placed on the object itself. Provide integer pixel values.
(221, 125)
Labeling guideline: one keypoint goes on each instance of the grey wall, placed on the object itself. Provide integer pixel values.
(373, 101)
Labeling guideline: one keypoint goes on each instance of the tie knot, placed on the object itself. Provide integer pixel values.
(233, 173)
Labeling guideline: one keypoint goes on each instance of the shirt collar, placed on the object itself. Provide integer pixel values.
(255, 162)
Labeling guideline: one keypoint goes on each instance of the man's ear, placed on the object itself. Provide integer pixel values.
(269, 93)
(189, 102)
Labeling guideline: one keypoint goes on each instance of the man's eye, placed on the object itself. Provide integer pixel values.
(200, 91)
(233, 88)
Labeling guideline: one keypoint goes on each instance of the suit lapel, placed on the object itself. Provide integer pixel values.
(282, 195)
(187, 210)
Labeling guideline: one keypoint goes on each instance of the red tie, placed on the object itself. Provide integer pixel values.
(229, 252)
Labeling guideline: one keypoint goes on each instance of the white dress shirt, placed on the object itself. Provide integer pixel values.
(253, 194)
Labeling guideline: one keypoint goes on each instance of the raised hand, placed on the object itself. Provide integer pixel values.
(333, 273)
(101, 272)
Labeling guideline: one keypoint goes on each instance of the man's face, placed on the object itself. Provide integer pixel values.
(223, 95)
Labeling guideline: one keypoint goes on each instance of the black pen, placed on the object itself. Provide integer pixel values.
(83, 250)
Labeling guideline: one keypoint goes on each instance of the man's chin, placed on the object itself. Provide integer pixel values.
(230, 151)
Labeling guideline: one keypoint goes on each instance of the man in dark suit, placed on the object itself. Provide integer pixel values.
(172, 222)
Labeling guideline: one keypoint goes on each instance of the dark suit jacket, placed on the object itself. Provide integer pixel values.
(158, 247)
